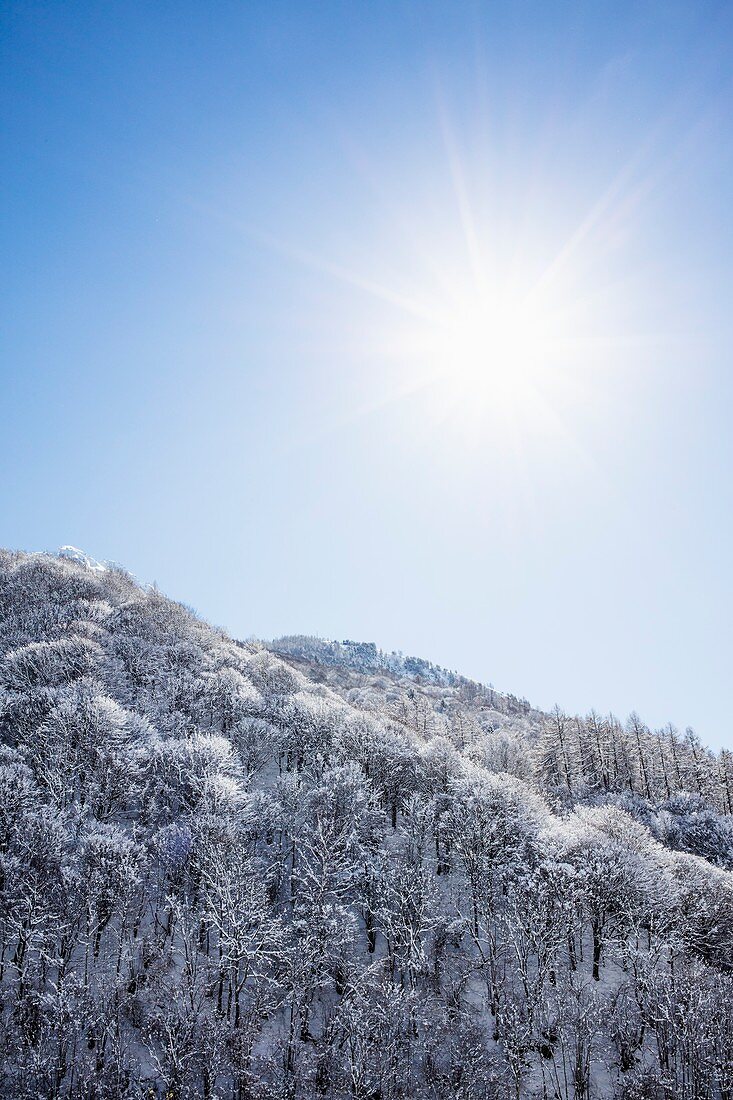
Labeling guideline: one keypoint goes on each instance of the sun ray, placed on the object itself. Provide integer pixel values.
(465, 210)
(484, 329)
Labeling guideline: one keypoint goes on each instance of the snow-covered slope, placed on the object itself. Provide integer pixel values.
(226, 872)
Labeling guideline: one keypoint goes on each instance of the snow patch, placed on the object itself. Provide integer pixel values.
(71, 553)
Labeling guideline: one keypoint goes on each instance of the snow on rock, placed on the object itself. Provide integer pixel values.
(72, 553)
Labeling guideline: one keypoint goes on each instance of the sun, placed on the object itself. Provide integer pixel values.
(478, 331)
(491, 351)
(492, 345)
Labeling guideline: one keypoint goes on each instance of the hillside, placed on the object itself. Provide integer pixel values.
(310, 869)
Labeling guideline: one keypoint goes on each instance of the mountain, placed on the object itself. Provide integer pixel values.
(311, 869)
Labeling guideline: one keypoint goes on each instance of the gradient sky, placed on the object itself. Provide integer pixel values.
(226, 228)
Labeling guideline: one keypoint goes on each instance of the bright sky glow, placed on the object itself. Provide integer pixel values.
(402, 322)
(490, 350)
(493, 347)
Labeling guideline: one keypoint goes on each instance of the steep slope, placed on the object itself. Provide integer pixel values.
(230, 873)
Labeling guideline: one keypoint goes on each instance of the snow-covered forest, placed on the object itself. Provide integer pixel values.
(311, 870)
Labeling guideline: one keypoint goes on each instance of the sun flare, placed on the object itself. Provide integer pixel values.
(491, 357)
(492, 346)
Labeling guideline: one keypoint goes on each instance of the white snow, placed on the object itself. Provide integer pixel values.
(74, 554)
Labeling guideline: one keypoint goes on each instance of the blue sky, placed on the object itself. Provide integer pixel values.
(242, 241)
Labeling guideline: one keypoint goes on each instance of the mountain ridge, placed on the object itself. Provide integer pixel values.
(228, 873)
